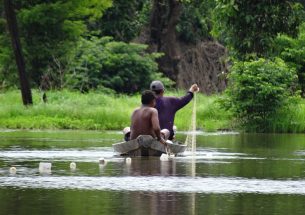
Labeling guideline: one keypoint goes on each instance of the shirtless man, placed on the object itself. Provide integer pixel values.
(144, 120)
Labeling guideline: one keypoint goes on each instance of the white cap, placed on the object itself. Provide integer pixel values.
(126, 130)
(156, 85)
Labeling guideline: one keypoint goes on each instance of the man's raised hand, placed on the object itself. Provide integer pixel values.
(194, 88)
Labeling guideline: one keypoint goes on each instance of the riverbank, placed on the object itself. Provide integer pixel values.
(98, 111)
(101, 111)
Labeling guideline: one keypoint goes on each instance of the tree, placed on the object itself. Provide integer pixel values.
(13, 29)
(124, 20)
(248, 27)
(49, 30)
(164, 19)
(195, 23)
(186, 59)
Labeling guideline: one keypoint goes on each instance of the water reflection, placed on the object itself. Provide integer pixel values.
(231, 174)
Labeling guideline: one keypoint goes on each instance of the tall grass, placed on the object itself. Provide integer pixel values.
(289, 119)
(100, 111)
(97, 111)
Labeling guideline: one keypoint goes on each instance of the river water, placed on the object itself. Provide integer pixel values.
(231, 174)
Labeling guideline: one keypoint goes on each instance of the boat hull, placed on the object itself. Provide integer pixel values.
(146, 145)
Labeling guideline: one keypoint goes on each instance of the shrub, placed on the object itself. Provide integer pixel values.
(123, 67)
(292, 51)
(258, 88)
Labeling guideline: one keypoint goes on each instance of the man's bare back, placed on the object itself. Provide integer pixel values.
(144, 121)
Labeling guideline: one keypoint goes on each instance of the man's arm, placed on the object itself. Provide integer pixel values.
(132, 119)
(179, 103)
(156, 124)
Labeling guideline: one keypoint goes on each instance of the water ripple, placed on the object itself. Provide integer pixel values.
(159, 184)
(89, 155)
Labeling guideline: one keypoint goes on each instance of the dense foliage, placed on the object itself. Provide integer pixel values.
(124, 20)
(195, 22)
(101, 62)
(86, 44)
(258, 88)
(48, 30)
(292, 51)
(249, 27)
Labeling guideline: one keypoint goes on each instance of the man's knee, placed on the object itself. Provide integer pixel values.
(165, 134)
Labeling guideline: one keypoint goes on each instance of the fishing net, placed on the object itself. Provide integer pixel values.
(190, 140)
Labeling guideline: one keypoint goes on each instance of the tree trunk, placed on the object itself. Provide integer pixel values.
(13, 30)
(165, 16)
(203, 63)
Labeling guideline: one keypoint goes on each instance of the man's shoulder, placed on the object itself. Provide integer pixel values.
(151, 109)
(167, 98)
(136, 110)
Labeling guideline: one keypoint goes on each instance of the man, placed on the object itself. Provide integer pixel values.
(144, 120)
(168, 106)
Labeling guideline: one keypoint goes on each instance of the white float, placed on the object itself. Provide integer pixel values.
(13, 170)
(45, 167)
(128, 160)
(102, 161)
(72, 165)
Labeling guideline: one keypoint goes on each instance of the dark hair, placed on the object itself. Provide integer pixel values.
(158, 92)
(147, 97)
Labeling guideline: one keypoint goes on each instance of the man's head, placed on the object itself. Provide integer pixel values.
(148, 98)
(157, 87)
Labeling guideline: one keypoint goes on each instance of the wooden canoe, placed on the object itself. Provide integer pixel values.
(146, 145)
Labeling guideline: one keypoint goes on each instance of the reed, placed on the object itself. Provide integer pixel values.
(98, 111)
(289, 119)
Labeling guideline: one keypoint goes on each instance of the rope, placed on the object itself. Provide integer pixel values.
(190, 140)
(167, 150)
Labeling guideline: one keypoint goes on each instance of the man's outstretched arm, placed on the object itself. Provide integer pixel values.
(184, 100)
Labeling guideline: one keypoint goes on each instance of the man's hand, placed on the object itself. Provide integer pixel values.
(194, 88)
(162, 141)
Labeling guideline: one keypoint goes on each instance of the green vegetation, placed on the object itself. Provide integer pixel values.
(97, 110)
(289, 118)
(125, 19)
(258, 89)
(89, 46)
(292, 51)
(48, 30)
(196, 21)
(101, 62)
(250, 27)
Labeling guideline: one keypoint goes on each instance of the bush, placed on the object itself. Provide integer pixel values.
(258, 88)
(292, 51)
(123, 67)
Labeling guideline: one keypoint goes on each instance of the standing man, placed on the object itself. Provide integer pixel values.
(168, 106)
(144, 120)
